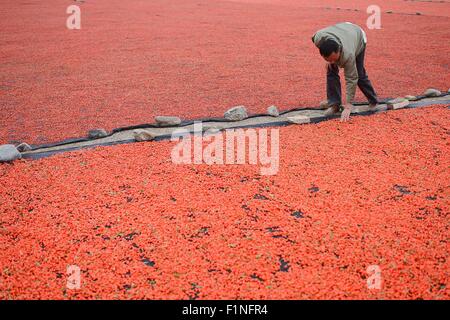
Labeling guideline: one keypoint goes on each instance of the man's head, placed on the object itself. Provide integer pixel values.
(330, 50)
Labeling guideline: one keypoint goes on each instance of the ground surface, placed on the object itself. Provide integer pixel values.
(370, 192)
(136, 59)
(373, 191)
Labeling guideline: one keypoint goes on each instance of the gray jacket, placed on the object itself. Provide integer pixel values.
(352, 40)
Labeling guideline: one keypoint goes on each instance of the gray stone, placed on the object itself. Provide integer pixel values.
(398, 103)
(411, 98)
(299, 119)
(432, 92)
(97, 133)
(166, 121)
(273, 111)
(23, 147)
(212, 130)
(8, 152)
(236, 113)
(397, 100)
(143, 135)
(212, 127)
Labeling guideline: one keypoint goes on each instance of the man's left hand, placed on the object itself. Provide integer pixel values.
(345, 116)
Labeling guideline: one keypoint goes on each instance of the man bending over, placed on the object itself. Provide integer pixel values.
(343, 46)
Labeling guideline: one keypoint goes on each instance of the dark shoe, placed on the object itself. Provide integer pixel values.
(373, 106)
(332, 111)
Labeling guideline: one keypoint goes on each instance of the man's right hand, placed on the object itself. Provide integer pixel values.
(345, 115)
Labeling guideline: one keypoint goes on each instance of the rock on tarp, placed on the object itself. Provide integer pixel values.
(8, 152)
(236, 113)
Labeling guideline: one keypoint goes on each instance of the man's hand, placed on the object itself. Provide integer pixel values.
(345, 116)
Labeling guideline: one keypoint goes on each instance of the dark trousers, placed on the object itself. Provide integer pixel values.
(334, 83)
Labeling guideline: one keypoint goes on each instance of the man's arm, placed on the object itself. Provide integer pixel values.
(351, 78)
(351, 81)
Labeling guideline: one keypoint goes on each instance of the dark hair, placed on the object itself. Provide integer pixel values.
(327, 47)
